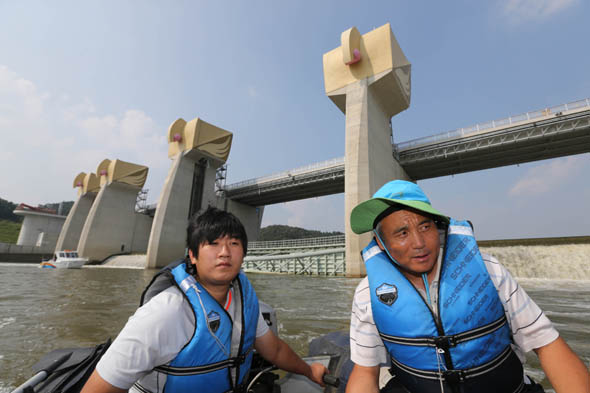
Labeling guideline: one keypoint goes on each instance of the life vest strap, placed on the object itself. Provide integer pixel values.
(456, 376)
(447, 341)
(207, 368)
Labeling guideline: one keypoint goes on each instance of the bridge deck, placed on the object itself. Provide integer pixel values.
(548, 133)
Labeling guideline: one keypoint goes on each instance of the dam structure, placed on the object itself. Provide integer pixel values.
(39, 229)
(88, 186)
(112, 225)
(368, 79)
(197, 149)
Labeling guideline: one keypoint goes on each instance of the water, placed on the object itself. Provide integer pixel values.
(46, 309)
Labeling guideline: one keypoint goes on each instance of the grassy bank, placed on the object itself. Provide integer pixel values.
(9, 231)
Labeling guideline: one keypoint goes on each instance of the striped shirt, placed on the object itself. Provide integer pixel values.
(529, 325)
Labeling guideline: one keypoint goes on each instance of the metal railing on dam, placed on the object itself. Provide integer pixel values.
(329, 262)
(322, 178)
(291, 245)
(538, 135)
(495, 124)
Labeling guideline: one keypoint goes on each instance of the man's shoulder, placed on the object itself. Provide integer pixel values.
(362, 287)
(170, 301)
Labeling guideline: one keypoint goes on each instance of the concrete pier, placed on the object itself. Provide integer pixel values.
(197, 149)
(40, 227)
(112, 225)
(69, 237)
(368, 78)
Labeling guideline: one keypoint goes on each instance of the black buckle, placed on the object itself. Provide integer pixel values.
(453, 377)
(238, 360)
(445, 342)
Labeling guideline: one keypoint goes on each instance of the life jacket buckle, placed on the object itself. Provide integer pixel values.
(238, 360)
(453, 377)
(445, 342)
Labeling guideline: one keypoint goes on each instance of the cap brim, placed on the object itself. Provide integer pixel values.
(364, 214)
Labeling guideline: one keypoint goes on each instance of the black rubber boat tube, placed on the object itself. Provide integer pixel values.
(41, 375)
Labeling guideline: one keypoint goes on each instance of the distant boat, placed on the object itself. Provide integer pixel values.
(66, 259)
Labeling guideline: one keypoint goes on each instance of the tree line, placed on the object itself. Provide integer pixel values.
(285, 232)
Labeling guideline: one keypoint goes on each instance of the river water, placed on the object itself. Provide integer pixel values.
(46, 309)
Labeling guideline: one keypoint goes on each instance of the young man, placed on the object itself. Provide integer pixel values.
(450, 321)
(198, 324)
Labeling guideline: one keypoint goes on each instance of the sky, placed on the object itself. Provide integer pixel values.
(85, 81)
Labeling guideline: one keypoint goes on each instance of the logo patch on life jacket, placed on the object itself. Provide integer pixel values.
(386, 293)
(214, 320)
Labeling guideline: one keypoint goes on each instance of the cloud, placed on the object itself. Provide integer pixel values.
(519, 11)
(252, 92)
(546, 177)
(47, 139)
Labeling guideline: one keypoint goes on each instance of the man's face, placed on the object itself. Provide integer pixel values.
(220, 261)
(411, 239)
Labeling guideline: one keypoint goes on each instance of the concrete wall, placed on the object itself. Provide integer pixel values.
(167, 241)
(249, 216)
(141, 233)
(69, 236)
(39, 227)
(168, 234)
(24, 254)
(110, 225)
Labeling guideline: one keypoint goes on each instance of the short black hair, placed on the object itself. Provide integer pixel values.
(212, 224)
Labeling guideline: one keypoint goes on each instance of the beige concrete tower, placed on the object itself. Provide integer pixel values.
(197, 149)
(368, 78)
(69, 237)
(112, 225)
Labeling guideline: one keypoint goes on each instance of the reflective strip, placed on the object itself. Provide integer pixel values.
(188, 283)
(139, 387)
(207, 368)
(460, 230)
(371, 252)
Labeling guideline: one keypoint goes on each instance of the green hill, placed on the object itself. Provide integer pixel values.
(286, 232)
(9, 231)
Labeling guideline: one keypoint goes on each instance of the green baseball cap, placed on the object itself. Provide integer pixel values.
(396, 192)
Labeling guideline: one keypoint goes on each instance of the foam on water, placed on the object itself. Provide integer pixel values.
(561, 262)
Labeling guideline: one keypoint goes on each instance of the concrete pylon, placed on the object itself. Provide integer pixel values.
(197, 149)
(368, 78)
(69, 237)
(112, 225)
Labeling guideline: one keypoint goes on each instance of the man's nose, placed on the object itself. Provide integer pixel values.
(225, 249)
(418, 239)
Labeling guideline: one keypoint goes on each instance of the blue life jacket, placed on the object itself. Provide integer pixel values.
(467, 345)
(219, 354)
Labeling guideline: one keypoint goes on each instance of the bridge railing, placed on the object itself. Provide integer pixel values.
(297, 171)
(299, 243)
(323, 263)
(505, 122)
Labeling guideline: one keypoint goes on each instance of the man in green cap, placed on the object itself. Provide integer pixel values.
(448, 318)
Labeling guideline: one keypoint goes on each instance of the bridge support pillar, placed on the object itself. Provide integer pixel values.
(112, 225)
(197, 149)
(69, 236)
(368, 78)
(249, 216)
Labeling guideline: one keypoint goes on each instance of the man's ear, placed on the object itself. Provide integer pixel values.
(378, 240)
(191, 256)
